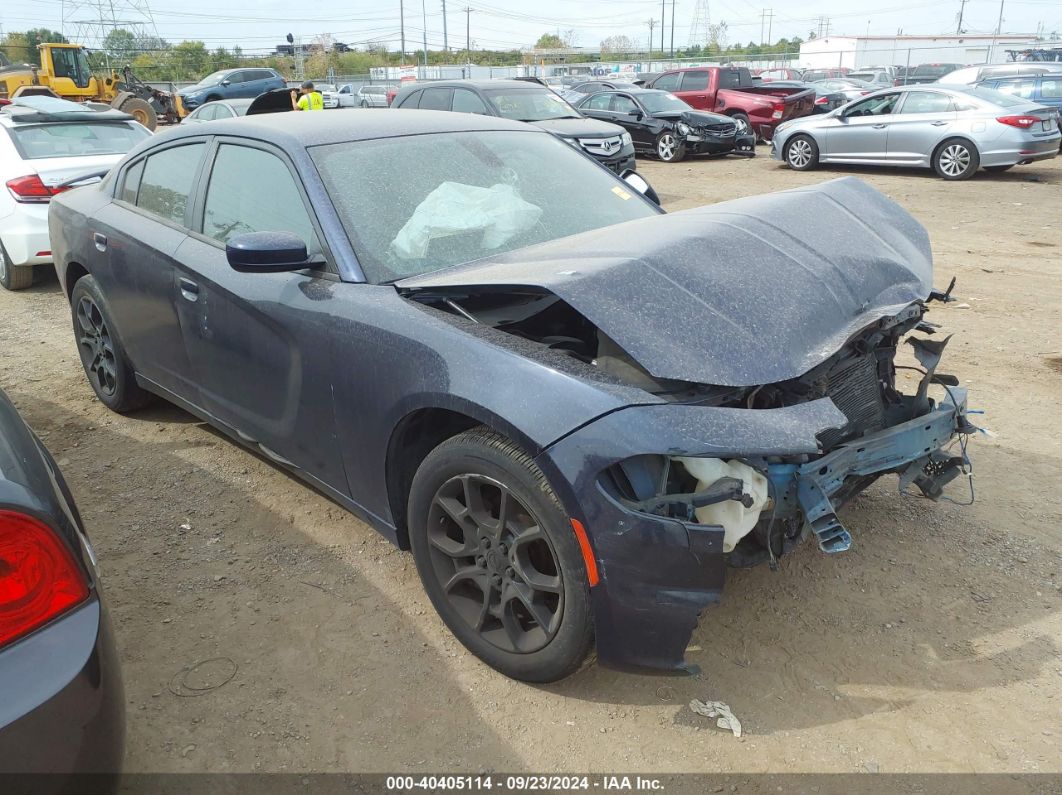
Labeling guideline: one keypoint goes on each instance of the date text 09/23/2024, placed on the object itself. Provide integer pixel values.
(523, 783)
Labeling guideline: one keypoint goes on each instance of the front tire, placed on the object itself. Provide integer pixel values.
(499, 559)
(103, 356)
(744, 126)
(14, 277)
(142, 111)
(801, 153)
(669, 147)
(956, 159)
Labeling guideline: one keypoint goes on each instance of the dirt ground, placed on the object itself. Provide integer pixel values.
(933, 645)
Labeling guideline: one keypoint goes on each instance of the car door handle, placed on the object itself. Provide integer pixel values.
(189, 289)
(880, 126)
(938, 123)
(100, 241)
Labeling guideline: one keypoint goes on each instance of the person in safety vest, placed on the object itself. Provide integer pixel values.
(310, 99)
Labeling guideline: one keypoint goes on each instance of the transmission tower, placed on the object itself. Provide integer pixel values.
(701, 29)
(88, 22)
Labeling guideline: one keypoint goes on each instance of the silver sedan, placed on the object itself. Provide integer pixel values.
(954, 130)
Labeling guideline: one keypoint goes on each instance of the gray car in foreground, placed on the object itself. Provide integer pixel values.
(62, 708)
(954, 130)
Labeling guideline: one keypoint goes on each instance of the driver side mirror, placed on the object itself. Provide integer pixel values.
(639, 183)
(635, 114)
(226, 82)
(267, 252)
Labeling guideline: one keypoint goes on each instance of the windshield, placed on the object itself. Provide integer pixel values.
(535, 104)
(662, 102)
(418, 204)
(325, 87)
(211, 79)
(68, 139)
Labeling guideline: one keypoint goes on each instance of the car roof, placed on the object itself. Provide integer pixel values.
(37, 109)
(294, 131)
(520, 85)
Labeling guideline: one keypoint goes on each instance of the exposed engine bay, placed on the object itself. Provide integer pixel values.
(745, 497)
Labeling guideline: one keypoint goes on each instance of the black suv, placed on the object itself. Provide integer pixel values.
(609, 144)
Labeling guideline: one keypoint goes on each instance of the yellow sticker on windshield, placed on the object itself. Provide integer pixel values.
(621, 193)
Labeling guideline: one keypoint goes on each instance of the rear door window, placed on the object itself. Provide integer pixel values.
(412, 100)
(599, 101)
(926, 102)
(1017, 88)
(167, 182)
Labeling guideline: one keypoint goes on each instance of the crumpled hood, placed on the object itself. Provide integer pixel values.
(747, 292)
(695, 118)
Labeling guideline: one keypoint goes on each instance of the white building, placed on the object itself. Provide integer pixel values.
(856, 52)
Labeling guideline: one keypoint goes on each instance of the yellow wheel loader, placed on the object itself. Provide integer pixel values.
(64, 72)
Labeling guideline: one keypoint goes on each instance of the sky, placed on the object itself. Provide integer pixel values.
(507, 24)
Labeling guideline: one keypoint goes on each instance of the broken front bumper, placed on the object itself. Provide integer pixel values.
(656, 573)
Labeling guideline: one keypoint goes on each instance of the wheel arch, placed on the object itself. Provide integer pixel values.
(72, 274)
(420, 431)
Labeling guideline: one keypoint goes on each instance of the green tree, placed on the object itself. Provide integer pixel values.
(121, 45)
(16, 48)
(36, 36)
(190, 60)
(549, 41)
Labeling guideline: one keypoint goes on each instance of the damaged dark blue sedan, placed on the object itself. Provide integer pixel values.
(575, 409)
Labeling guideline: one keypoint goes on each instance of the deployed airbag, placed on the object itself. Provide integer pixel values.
(454, 208)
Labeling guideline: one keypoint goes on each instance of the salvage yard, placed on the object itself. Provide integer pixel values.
(261, 627)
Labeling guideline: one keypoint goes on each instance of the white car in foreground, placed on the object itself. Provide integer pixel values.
(46, 144)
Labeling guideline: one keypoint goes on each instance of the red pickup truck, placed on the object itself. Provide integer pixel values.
(756, 107)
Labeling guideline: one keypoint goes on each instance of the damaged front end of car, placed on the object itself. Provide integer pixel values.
(763, 334)
(713, 133)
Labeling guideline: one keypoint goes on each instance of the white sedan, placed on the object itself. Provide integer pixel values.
(46, 144)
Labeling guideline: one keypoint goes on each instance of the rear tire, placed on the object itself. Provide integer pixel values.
(14, 277)
(103, 356)
(511, 585)
(364, 103)
(955, 159)
(801, 153)
(140, 110)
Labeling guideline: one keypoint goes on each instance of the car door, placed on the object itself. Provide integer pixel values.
(859, 134)
(238, 86)
(139, 234)
(923, 119)
(258, 347)
(693, 88)
(632, 117)
(599, 106)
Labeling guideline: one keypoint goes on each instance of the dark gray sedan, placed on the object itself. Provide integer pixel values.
(62, 708)
(574, 409)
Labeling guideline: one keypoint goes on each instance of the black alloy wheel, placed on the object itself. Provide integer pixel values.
(495, 564)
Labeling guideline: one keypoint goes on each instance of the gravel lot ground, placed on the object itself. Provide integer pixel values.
(933, 645)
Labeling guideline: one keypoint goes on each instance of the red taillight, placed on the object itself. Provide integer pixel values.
(29, 189)
(822, 101)
(39, 578)
(1021, 122)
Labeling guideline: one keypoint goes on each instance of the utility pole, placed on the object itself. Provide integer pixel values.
(770, 24)
(402, 26)
(652, 24)
(424, 15)
(663, 24)
(999, 25)
(468, 39)
(672, 28)
(962, 8)
(446, 40)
